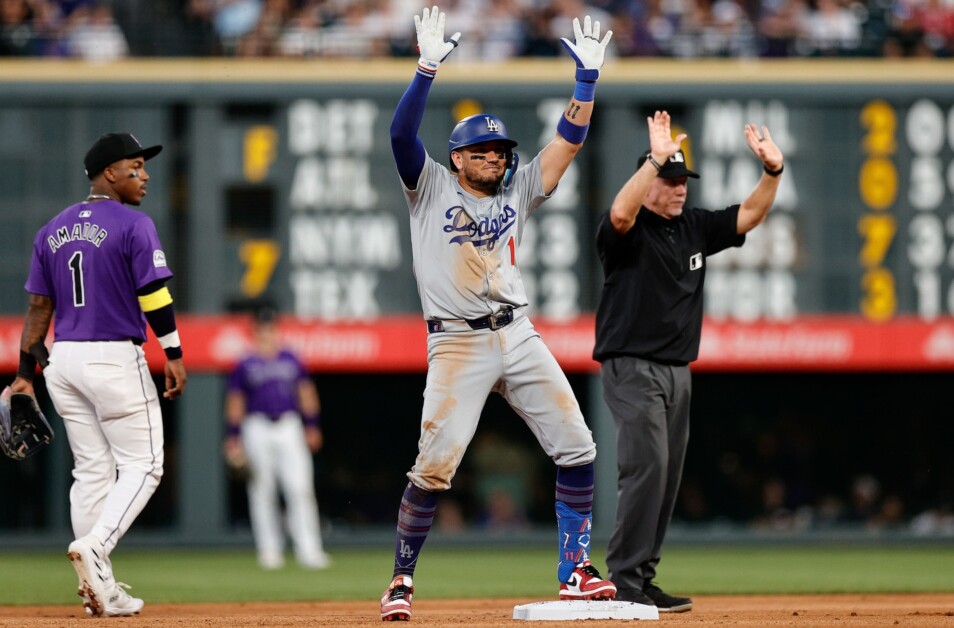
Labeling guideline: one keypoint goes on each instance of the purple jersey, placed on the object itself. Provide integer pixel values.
(270, 385)
(90, 260)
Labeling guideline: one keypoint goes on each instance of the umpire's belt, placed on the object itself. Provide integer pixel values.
(492, 321)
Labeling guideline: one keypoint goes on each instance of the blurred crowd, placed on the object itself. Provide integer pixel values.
(786, 472)
(774, 485)
(102, 30)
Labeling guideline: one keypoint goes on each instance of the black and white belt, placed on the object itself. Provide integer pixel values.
(491, 321)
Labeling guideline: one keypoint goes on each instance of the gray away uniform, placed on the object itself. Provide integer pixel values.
(465, 252)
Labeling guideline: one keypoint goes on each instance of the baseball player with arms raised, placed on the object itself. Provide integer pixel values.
(466, 228)
(98, 268)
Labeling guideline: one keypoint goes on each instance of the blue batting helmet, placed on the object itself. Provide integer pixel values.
(475, 129)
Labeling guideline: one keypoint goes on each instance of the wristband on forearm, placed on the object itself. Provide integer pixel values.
(234, 429)
(585, 91)
(311, 420)
(161, 316)
(585, 84)
(427, 69)
(27, 367)
(573, 133)
(171, 345)
(39, 352)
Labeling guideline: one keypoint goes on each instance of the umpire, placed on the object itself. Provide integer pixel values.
(648, 327)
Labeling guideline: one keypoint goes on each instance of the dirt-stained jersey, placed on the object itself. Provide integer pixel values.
(465, 248)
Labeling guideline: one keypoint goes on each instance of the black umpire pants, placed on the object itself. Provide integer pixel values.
(650, 406)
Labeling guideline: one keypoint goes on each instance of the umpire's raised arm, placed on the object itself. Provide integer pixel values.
(406, 146)
(588, 52)
(755, 207)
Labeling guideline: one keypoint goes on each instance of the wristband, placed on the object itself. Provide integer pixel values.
(234, 429)
(656, 164)
(573, 133)
(39, 352)
(773, 173)
(171, 344)
(427, 69)
(169, 340)
(312, 420)
(590, 76)
(585, 90)
(27, 368)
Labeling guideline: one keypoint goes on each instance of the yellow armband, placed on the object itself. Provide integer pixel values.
(159, 298)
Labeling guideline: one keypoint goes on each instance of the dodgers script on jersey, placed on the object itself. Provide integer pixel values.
(465, 248)
(87, 251)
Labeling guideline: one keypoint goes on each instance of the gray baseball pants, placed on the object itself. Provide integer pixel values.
(650, 406)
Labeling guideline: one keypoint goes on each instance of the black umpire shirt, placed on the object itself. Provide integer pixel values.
(651, 303)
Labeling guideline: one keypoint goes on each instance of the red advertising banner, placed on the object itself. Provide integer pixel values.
(398, 344)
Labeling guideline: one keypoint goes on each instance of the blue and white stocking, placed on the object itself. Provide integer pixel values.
(574, 529)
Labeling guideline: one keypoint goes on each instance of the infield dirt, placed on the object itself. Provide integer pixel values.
(737, 611)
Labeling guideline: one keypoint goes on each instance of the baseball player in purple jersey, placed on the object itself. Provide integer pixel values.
(272, 408)
(99, 270)
(466, 228)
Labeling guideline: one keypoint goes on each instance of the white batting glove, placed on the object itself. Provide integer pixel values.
(588, 51)
(430, 40)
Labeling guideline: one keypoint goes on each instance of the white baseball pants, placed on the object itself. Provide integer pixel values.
(279, 458)
(110, 408)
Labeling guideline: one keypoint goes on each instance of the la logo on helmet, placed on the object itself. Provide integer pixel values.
(492, 125)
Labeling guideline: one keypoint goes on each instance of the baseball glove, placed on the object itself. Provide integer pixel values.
(23, 428)
(237, 465)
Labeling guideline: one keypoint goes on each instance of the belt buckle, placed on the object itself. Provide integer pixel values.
(496, 318)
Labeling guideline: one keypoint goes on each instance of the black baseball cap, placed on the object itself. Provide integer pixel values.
(113, 147)
(674, 167)
(266, 315)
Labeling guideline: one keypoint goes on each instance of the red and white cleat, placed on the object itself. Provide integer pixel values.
(396, 601)
(585, 583)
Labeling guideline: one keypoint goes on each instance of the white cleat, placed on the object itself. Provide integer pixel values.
(89, 560)
(121, 604)
(102, 595)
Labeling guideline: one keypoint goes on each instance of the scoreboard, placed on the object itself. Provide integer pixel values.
(863, 223)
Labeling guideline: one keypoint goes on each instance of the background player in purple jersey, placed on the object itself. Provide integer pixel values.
(466, 227)
(99, 272)
(272, 408)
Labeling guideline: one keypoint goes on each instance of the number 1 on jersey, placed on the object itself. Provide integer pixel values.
(513, 251)
(76, 270)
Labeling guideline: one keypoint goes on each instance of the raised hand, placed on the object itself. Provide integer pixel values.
(764, 147)
(430, 39)
(661, 143)
(588, 51)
